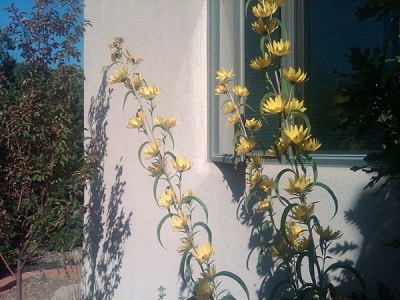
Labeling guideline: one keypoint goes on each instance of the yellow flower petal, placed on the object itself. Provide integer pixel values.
(273, 105)
(181, 164)
(148, 92)
(120, 75)
(279, 48)
(240, 91)
(138, 120)
(203, 252)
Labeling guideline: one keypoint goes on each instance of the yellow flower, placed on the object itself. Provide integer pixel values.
(178, 222)
(240, 91)
(185, 245)
(293, 76)
(203, 252)
(261, 62)
(232, 120)
(293, 232)
(229, 107)
(277, 250)
(167, 122)
(221, 88)
(279, 48)
(272, 25)
(137, 80)
(244, 146)
(266, 10)
(208, 274)
(278, 2)
(296, 134)
(273, 105)
(120, 75)
(294, 104)
(223, 75)
(267, 184)
(282, 146)
(185, 197)
(255, 178)
(167, 199)
(302, 245)
(253, 124)
(151, 149)
(255, 161)
(138, 120)
(203, 289)
(299, 185)
(303, 212)
(310, 144)
(265, 205)
(327, 234)
(181, 164)
(156, 168)
(259, 26)
(148, 92)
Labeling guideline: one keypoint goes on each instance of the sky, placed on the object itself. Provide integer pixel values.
(24, 6)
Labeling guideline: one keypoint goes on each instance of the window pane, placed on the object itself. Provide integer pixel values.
(331, 29)
(256, 85)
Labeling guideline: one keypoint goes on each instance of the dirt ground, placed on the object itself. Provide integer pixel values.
(39, 287)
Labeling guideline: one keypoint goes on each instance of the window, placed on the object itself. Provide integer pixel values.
(322, 38)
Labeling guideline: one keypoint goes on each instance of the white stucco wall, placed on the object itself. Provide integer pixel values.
(122, 257)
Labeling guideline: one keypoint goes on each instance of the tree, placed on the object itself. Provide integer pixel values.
(42, 167)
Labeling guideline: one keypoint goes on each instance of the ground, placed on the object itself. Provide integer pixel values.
(44, 284)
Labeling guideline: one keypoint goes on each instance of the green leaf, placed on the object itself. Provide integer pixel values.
(285, 87)
(170, 215)
(347, 267)
(155, 187)
(247, 4)
(277, 179)
(235, 278)
(140, 153)
(182, 265)
(203, 206)
(247, 200)
(262, 45)
(166, 129)
(126, 97)
(304, 117)
(283, 219)
(328, 189)
(206, 228)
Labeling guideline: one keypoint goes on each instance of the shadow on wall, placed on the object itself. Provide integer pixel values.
(377, 215)
(106, 228)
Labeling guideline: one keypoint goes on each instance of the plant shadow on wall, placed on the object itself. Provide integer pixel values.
(376, 216)
(105, 231)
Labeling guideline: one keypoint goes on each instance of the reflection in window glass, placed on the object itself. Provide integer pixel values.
(328, 37)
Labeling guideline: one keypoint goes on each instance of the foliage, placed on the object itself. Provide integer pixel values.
(292, 237)
(371, 96)
(43, 165)
(168, 170)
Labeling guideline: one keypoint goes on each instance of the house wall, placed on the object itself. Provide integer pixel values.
(122, 257)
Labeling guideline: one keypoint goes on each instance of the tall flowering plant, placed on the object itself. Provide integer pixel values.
(168, 170)
(300, 240)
